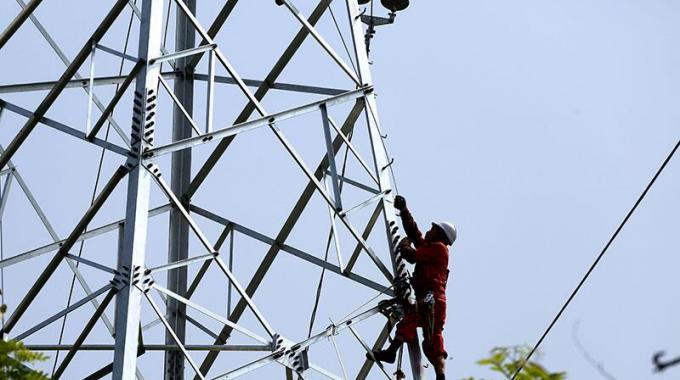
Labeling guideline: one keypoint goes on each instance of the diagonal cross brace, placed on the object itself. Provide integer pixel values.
(51, 97)
(284, 141)
(283, 234)
(63, 250)
(18, 21)
(88, 90)
(210, 248)
(264, 88)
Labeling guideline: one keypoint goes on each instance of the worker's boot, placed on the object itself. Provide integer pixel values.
(389, 355)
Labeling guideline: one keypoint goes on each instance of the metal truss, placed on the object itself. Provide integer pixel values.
(139, 292)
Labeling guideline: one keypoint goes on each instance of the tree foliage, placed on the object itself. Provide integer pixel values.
(14, 358)
(506, 361)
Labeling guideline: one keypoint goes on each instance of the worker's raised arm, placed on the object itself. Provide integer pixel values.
(407, 252)
(410, 226)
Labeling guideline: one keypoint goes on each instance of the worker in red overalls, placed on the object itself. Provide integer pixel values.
(431, 257)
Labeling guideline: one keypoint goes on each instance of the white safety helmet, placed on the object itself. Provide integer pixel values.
(449, 230)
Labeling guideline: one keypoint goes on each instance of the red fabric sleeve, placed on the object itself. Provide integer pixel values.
(411, 228)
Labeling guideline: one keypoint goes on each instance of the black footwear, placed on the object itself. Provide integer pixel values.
(384, 356)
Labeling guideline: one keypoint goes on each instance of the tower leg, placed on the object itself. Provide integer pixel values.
(135, 231)
(380, 158)
(178, 238)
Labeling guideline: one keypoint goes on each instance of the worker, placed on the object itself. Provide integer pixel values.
(430, 254)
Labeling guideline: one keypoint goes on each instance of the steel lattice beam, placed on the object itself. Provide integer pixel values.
(133, 280)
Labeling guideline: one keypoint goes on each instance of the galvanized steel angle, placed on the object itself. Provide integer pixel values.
(354, 151)
(262, 90)
(51, 97)
(210, 314)
(64, 128)
(369, 352)
(298, 15)
(63, 312)
(173, 334)
(210, 248)
(77, 75)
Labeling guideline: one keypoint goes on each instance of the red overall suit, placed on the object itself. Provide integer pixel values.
(430, 275)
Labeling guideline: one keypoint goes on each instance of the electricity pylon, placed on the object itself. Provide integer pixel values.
(158, 136)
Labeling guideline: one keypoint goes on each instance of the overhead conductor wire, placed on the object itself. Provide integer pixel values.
(597, 260)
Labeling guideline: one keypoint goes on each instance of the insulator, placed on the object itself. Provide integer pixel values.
(395, 5)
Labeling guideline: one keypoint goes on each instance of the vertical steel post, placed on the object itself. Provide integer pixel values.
(178, 248)
(90, 92)
(211, 92)
(380, 158)
(128, 299)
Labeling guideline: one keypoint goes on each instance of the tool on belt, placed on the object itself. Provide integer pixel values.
(399, 374)
(428, 306)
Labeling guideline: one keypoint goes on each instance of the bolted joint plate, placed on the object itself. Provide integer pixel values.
(136, 276)
(291, 355)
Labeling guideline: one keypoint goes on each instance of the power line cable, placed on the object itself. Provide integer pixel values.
(597, 260)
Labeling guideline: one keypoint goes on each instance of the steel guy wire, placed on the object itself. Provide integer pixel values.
(93, 196)
(599, 257)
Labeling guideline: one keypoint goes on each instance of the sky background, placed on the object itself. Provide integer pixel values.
(532, 125)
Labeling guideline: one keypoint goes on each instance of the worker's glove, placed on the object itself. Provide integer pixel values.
(405, 242)
(399, 202)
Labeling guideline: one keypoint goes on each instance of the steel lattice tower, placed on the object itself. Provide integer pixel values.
(142, 304)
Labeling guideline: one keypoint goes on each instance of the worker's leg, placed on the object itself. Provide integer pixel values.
(439, 364)
(406, 332)
(434, 348)
(435, 353)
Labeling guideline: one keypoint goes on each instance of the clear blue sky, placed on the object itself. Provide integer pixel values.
(532, 125)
